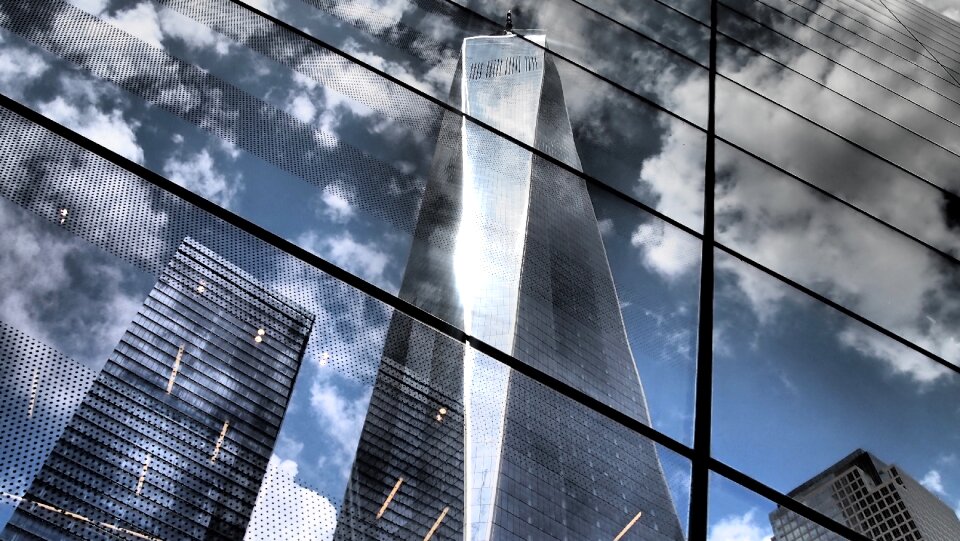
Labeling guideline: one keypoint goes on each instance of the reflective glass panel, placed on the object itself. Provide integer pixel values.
(801, 384)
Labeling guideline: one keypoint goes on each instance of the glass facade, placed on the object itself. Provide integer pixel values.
(388, 269)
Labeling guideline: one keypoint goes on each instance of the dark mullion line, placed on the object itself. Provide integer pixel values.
(938, 53)
(932, 24)
(661, 2)
(946, 46)
(843, 138)
(839, 307)
(703, 405)
(484, 18)
(338, 273)
(633, 30)
(782, 500)
(872, 18)
(843, 45)
(934, 33)
(953, 260)
(473, 120)
(429, 319)
(858, 36)
(938, 16)
(871, 13)
(851, 70)
(937, 60)
(847, 98)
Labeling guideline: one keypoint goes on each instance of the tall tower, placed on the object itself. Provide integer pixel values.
(173, 437)
(507, 247)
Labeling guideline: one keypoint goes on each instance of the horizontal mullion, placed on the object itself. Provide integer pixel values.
(844, 66)
(473, 120)
(857, 36)
(952, 259)
(931, 23)
(662, 3)
(883, 25)
(640, 33)
(783, 500)
(839, 307)
(841, 96)
(933, 15)
(843, 138)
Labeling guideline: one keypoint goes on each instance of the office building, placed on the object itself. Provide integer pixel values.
(496, 222)
(173, 437)
(878, 500)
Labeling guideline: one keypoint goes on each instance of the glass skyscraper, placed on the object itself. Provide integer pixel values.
(173, 437)
(509, 248)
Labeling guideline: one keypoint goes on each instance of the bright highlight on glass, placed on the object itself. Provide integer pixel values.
(223, 434)
(436, 524)
(629, 525)
(389, 499)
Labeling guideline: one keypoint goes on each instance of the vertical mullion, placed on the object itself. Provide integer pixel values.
(704, 383)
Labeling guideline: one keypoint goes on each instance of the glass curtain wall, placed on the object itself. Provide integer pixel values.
(420, 269)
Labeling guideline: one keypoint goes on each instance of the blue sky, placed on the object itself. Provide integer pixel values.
(797, 385)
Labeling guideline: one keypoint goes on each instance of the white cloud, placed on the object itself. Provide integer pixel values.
(948, 8)
(93, 7)
(366, 260)
(336, 205)
(194, 34)
(744, 527)
(141, 21)
(666, 249)
(676, 174)
(287, 510)
(340, 417)
(198, 173)
(932, 482)
(302, 107)
(19, 68)
(109, 129)
(48, 290)
(379, 15)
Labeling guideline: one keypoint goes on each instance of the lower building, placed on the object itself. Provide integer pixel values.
(173, 437)
(873, 498)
